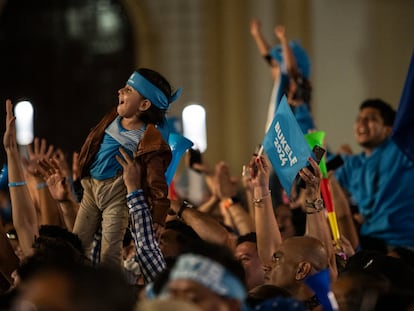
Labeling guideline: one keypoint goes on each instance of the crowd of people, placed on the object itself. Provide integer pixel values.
(106, 231)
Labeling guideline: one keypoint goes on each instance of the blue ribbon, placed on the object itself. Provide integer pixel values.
(151, 92)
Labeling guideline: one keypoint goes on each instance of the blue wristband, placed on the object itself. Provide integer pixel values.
(17, 183)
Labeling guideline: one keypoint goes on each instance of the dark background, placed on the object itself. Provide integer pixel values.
(68, 58)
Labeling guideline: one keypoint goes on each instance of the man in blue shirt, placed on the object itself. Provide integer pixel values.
(379, 180)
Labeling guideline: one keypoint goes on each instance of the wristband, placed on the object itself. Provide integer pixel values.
(260, 200)
(17, 183)
(183, 206)
(227, 203)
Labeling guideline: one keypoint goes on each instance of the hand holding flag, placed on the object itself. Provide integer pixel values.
(286, 146)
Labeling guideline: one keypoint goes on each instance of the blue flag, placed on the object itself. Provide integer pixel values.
(286, 146)
(404, 120)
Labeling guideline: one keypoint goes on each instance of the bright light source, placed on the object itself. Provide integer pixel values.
(194, 126)
(24, 122)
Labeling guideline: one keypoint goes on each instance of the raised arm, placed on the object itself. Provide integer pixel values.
(256, 32)
(148, 253)
(267, 229)
(316, 221)
(24, 214)
(343, 213)
(60, 190)
(205, 225)
(209, 176)
(227, 188)
(288, 56)
(39, 151)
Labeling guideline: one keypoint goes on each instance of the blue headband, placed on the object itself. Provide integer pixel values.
(208, 273)
(151, 92)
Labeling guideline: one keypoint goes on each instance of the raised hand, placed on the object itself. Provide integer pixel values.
(132, 179)
(131, 171)
(24, 214)
(51, 172)
(255, 27)
(259, 169)
(60, 160)
(280, 32)
(9, 138)
(227, 185)
(38, 151)
(312, 179)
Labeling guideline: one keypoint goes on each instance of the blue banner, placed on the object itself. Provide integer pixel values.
(404, 120)
(286, 146)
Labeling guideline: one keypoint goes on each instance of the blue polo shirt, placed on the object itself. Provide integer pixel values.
(382, 185)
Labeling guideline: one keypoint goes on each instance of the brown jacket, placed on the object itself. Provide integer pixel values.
(154, 154)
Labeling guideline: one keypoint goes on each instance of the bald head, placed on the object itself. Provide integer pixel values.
(306, 248)
(294, 260)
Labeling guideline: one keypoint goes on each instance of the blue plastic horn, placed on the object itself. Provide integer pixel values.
(178, 144)
(320, 284)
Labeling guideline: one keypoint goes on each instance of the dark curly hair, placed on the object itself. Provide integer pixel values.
(385, 109)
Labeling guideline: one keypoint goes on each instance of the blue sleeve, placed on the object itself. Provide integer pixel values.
(304, 118)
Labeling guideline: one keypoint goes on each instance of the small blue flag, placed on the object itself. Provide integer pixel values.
(404, 120)
(286, 146)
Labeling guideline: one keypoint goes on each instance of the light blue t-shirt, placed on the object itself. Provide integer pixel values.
(382, 185)
(105, 164)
